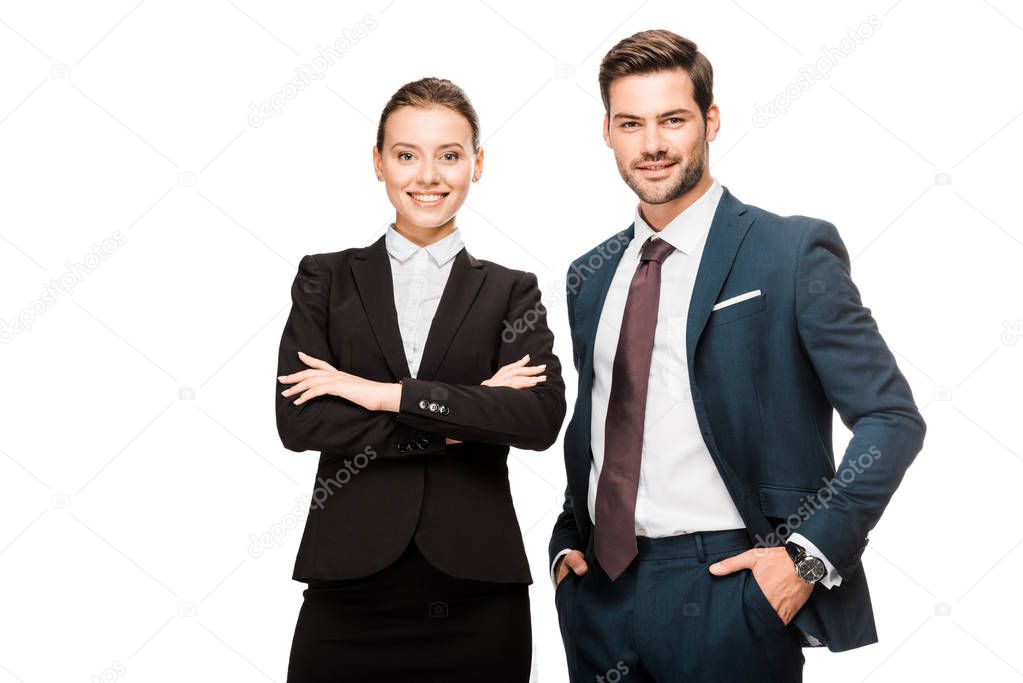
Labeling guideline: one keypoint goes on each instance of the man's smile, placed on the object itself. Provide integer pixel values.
(656, 169)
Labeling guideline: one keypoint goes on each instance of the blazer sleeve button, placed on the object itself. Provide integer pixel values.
(444, 410)
(434, 407)
(424, 404)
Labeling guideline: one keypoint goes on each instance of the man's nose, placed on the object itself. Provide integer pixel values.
(653, 143)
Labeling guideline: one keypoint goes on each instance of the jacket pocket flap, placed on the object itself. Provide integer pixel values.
(782, 501)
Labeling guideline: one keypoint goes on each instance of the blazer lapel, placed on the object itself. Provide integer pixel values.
(590, 299)
(729, 227)
(464, 281)
(588, 306)
(372, 272)
(727, 230)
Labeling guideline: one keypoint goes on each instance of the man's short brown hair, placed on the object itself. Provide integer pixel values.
(658, 50)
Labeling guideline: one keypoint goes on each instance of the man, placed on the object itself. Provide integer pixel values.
(706, 534)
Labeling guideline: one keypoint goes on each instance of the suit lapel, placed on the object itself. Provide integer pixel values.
(588, 306)
(727, 230)
(464, 281)
(371, 270)
(590, 300)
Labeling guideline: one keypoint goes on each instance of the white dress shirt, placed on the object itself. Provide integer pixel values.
(419, 275)
(680, 489)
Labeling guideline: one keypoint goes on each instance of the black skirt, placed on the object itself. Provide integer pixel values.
(410, 622)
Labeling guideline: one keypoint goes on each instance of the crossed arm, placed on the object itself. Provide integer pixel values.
(515, 407)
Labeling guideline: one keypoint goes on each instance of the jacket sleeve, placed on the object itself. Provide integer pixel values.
(565, 534)
(523, 418)
(859, 375)
(331, 423)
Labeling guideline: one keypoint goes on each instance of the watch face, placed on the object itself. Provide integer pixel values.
(810, 569)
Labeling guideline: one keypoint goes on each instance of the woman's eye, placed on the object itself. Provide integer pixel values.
(405, 156)
(450, 156)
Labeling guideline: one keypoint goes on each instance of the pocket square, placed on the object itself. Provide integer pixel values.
(736, 299)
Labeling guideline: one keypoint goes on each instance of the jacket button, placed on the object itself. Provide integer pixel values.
(434, 407)
(424, 404)
(402, 448)
(444, 410)
(423, 443)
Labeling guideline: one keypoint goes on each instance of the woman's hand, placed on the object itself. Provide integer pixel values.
(517, 375)
(323, 379)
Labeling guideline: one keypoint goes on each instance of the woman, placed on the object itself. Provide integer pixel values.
(411, 551)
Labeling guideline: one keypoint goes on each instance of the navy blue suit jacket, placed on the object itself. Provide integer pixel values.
(766, 375)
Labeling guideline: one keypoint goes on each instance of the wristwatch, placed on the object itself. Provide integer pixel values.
(809, 568)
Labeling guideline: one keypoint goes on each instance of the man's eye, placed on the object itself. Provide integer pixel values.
(629, 124)
(675, 119)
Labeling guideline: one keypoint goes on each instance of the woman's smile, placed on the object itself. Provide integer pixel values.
(427, 200)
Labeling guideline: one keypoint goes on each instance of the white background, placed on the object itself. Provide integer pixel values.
(127, 505)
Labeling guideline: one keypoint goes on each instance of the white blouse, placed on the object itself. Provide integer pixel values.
(419, 275)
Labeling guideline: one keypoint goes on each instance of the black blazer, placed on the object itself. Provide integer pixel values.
(384, 478)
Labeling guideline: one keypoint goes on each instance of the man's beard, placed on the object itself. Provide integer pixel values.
(662, 193)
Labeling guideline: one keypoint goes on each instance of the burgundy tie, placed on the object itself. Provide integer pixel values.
(615, 523)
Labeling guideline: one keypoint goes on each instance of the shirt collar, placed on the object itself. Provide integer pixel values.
(441, 251)
(685, 230)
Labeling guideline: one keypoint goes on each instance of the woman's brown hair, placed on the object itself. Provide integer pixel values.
(428, 92)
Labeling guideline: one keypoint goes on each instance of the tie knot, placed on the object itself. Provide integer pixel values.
(655, 249)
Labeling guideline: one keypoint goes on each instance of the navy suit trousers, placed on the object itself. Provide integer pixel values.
(667, 618)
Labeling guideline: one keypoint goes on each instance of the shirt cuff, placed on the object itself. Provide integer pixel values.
(832, 578)
(557, 557)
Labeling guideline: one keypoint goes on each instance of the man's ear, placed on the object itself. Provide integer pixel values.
(607, 132)
(713, 122)
(378, 163)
